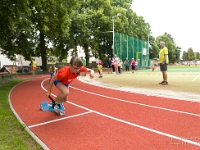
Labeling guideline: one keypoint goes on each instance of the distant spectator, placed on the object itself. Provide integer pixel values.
(120, 66)
(52, 70)
(113, 65)
(33, 65)
(109, 65)
(116, 60)
(136, 65)
(127, 64)
(84, 64)
(133, 65)
(100, 68)
(101, 63)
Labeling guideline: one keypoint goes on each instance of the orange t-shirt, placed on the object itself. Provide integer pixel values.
(65, 76)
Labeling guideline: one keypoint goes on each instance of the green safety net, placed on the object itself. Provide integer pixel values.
(129, 47)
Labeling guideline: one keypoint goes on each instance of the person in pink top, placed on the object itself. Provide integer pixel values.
(101, 62)
(116, 60)
(133, 65)
(113, 65)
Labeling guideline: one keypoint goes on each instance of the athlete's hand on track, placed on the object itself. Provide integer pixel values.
(48, 93)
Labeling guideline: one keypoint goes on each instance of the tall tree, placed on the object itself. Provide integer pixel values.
(15, 28)
(197, 56)
(173, 50)
(170, 36)
(50, 20)
(63, 24)
(190, 53)
(185, 56)
(177, 54)
(94, 18)
(154, 48)
(34, 23)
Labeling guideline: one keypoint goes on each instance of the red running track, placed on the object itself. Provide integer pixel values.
(105, 119)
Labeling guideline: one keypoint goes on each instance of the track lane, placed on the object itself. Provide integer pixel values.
(168, 121)
(178, 124)
(175, 104)
(90, 123)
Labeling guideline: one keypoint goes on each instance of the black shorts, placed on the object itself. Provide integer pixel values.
(163, 67)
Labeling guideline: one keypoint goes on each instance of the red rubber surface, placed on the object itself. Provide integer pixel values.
(113, 120)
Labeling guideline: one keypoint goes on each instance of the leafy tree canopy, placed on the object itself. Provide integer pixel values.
(173, 50)
(51, 28)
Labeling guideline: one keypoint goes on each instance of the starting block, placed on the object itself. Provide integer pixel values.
(45, 106)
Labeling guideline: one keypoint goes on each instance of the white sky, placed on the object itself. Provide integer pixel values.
(180, 18)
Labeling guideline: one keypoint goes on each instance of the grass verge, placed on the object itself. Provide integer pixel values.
(13, 135)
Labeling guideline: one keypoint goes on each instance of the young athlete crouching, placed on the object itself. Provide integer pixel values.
(64, 77)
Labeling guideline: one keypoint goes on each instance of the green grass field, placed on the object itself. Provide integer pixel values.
(13, 135)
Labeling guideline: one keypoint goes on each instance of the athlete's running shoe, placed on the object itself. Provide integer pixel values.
(59, 110)
(51, 106)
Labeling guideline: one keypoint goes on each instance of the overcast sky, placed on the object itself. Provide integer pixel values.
(180, 18)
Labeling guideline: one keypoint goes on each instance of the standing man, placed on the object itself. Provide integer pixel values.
(127, 63)
(84, 64)
(163, 61)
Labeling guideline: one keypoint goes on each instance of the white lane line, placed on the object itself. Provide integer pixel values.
(196, 77)
(56, 120)
(41, 84)
(141, 127)
(136, 103)
(136, 125)
(130, 102)
(138, 91)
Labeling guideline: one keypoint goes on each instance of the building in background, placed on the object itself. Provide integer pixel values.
(5, 61)
(20, 61)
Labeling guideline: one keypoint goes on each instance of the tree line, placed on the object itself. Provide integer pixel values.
(190, 55)
(53, 27)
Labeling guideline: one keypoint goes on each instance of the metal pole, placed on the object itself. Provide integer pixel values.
(113, 20)
(120, 42)
(113, 36)
(148, 43)
(133, 48)
(127, 46)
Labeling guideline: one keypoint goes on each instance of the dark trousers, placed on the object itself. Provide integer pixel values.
(113, 68)
(127, 68)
